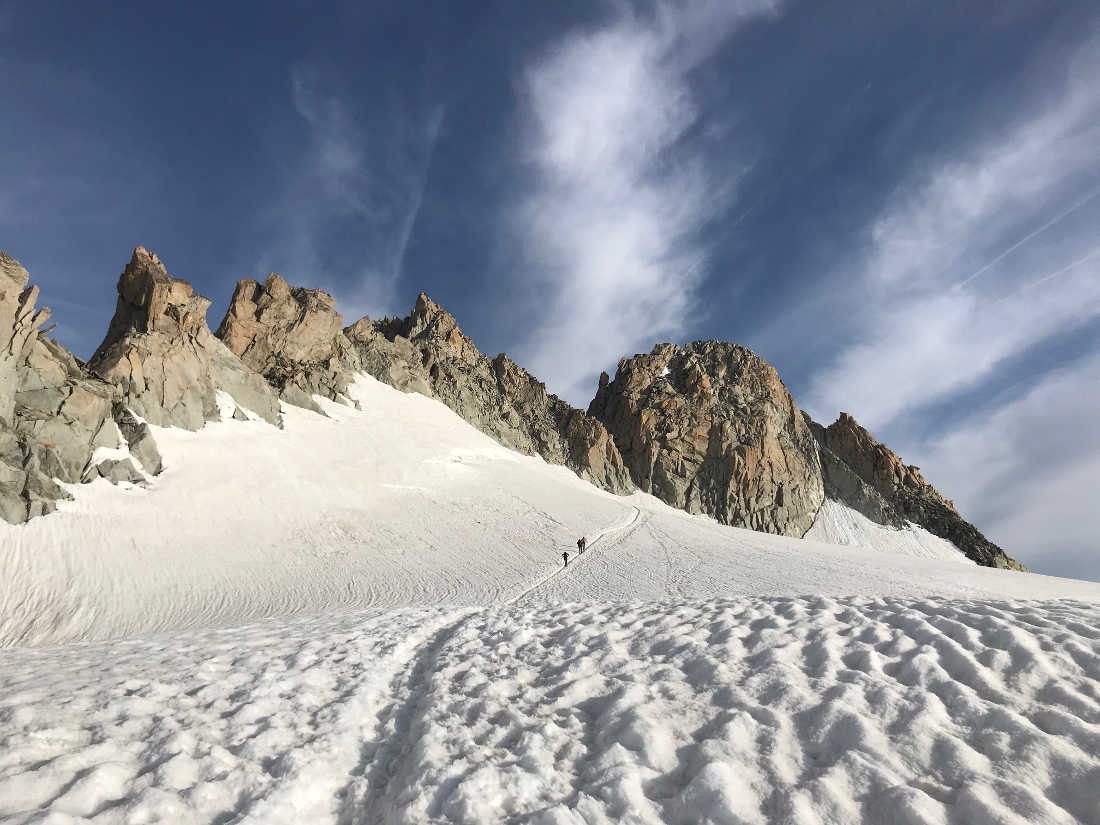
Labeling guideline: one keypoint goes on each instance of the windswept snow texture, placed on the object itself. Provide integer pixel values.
(401, 504)
(752, 710)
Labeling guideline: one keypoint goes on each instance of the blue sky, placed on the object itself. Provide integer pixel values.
(897, 204)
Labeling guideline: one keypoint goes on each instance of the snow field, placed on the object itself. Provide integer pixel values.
(696, 683)
(405, 504)
(750, 710)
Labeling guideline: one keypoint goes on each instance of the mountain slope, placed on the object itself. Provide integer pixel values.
(399, 503)
(709, 428)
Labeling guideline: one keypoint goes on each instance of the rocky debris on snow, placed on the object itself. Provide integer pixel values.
(139, 439)
(292, 337)
(899, 486)
(428, 353)
(114, 470)
(163, 358)
(711, 429)
(54, 414)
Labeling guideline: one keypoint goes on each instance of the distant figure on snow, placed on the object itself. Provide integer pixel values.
(582, 542)
(565, 557)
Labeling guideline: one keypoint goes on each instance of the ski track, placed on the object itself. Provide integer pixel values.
(579, 559)
(753, 710)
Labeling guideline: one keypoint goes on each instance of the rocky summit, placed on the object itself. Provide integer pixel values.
(426, 352)
(165, 361)
(292, 337)
(708, 427)
(711, 429)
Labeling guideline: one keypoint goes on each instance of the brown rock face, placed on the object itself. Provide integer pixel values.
(53, 413)
(163, 358)
(291, 336)
(877, 464)
(427, 353)
(906, 490)
(711, 429)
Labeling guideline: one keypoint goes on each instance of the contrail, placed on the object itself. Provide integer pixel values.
(1026, 238)
(1064, 269)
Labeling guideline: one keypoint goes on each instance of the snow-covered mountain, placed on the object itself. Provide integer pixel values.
(314, 574)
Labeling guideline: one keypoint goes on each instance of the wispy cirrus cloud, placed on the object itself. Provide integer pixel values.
(985, 254)
(611, 229)
(982, 257)
(359, 187)
(1028, 472)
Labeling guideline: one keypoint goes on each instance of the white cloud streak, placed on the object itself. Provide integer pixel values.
(611, 230)
(367, 178)
(929, 323)
(1028, 473)
(985, 255)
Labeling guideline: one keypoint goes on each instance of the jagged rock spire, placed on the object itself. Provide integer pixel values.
(894, 488)
(161, 355)
(292, 336)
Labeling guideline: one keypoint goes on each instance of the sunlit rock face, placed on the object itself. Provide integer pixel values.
(711, 429)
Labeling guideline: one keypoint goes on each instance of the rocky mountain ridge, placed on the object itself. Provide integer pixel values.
(708, 427)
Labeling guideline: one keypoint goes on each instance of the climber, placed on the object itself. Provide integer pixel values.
(565, 557)
(581, 542)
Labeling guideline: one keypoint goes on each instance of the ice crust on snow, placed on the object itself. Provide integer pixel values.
(400, 503)
(751, 710)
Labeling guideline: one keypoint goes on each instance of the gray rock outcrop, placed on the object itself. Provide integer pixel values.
(427, 353)
(902, 487)
(54, 414)
(292, 337)
(164, 360)
(139, 439)
(843, 484)
(711, 429)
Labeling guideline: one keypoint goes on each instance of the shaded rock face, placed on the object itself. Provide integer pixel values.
(427, 353)
(711, 429)
(902, 487)
(292, 336)
(843, 484)
(54, 415)
(164, 360)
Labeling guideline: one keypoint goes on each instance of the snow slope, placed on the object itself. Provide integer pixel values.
(836, 523)
(400, 504)
(751, 710)
(427, 659)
